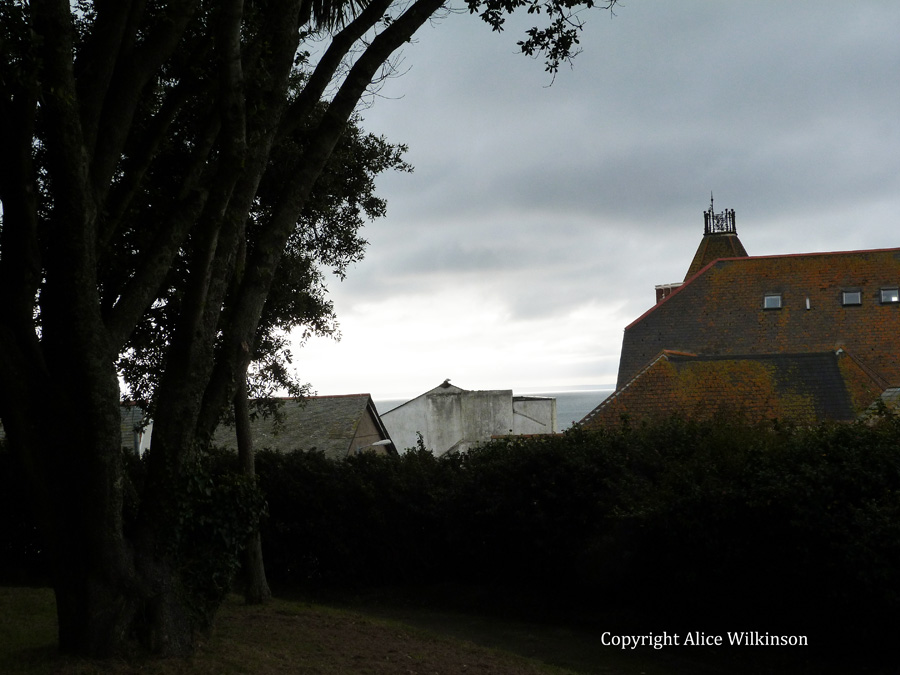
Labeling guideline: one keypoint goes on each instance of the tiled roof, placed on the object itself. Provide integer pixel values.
(719, 311)
(802, 388)
(328, 424)
(715, 246)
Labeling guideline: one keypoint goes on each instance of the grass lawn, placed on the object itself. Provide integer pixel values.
(281, 637)
(365, 636)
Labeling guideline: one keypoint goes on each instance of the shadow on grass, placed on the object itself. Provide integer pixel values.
(278, 638)
(548, 633)
(437, 629)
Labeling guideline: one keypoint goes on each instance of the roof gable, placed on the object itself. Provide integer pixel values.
(444, 388)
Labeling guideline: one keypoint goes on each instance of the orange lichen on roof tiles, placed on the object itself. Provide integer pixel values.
(720, 311)
(802, 388)
(863, 386)
(713, 247)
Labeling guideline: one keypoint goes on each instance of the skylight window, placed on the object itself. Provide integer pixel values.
(772, 301)
(852, 298)
(890, 295)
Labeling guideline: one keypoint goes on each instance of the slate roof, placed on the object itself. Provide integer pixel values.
(719, 311)
(802, 388)
(328, 424)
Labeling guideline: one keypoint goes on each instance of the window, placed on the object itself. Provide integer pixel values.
(852, 297)
(772, 301)
(890, 295)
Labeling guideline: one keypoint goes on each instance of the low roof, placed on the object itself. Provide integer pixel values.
(803, 388)
(327, 424)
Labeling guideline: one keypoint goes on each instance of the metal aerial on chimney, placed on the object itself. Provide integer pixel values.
(718, 223)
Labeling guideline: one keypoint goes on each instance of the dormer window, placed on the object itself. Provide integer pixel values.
(772, 301)
(889, 295)
(851, 298)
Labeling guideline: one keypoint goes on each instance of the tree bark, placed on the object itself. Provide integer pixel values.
(256, 587)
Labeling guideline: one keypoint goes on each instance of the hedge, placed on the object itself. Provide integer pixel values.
(752, 528)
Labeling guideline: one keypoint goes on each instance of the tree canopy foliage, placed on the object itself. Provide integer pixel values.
(173, 171)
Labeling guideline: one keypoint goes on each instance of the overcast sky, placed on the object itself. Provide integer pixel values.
(539, 218)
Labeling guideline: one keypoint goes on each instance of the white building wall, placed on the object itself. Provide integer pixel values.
(453, 419)
(443, 422)
(484, 414)
(534, 415)
(403, 422)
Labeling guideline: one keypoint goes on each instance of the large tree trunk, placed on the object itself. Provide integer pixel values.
(94, 577)
(256, 587)
(115, 580)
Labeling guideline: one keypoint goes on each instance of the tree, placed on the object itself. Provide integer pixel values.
(326, 235)
(139, 141)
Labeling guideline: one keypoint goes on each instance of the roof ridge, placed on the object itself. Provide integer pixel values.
(756, 355)
(306, 398)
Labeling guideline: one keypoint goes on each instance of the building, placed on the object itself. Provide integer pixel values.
(337, 426)
(135, 428)
(800, 337)
(452, 419)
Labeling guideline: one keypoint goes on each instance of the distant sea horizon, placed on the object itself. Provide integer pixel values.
(573, 402)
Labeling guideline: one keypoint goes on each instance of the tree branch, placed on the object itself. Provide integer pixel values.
(96, 60)
(240, 332)
(231, 78)
(140, 158)
(144, 286)
(72, 248)
(322, 75)
(133, 71)
(213, 270)
(376, 54)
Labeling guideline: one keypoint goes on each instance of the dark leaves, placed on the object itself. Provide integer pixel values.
(557, 41)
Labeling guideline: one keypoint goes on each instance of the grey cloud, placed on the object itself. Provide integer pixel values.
(592, 190)
(724, 104)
